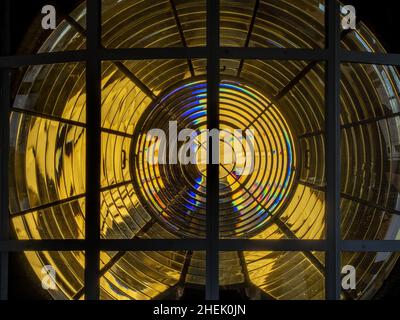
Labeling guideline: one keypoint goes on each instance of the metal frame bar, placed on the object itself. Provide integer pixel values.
(5, 100)
(93, 151)
(212, 191)
(295, 245)
(392, 59)
(93, 55)
(332, 160)
(388, 59)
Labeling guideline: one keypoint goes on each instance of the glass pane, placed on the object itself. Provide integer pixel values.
(144, 192)
(370, 142)
(368, 275)
(129, 88)
(47, 176)
(278, 24)
(259, 275)
(235, 22)
(46, 275)
(47, 26)
(64, 221)
(145, 275)
(273, 188)
(158, 24)
(57, 90)
(44, 156)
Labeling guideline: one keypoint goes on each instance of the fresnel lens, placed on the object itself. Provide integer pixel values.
(271, 188)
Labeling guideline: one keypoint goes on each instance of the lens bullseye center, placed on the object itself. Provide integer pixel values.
(256, 175)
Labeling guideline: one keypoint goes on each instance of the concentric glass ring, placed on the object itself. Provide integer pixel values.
(253, 186)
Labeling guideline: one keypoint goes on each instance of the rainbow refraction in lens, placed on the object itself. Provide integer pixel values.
(253, 187)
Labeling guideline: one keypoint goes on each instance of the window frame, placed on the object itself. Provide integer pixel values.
(94, 54)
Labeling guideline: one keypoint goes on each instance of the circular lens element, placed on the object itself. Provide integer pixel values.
(169, 159)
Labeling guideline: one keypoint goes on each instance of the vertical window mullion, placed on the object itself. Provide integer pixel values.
(332, 154)
(5, 100)
(212, 220)
(93, 150)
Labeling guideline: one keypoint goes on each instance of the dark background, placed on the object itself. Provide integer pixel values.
(380, 16)
(26, 22)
